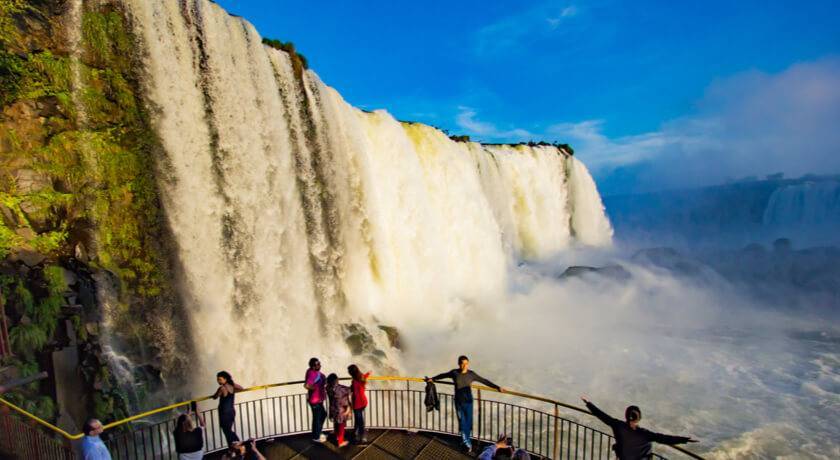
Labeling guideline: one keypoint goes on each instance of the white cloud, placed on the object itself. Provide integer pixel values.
(750, 124)
(588, 139)
(466, 119)
(512, 31)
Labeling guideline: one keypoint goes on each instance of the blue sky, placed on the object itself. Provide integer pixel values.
(636, 87)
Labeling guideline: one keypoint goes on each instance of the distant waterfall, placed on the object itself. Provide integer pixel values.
(295, 214)
(806, 204)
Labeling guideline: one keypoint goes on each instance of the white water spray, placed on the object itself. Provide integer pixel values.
(74, 38)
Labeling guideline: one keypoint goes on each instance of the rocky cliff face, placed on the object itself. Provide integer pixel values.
(79, 201)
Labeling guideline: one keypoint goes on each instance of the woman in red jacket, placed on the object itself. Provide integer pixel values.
(360, 401)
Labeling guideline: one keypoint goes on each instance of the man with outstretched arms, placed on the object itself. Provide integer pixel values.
(463, 378)
(633, 442)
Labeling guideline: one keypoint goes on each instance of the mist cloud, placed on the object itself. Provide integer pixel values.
(696, 352)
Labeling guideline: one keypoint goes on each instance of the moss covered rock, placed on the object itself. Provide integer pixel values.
(77, 185)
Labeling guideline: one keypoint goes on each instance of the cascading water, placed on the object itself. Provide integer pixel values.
(296, 215)
(807, 204)
(74, 38)
(588, 223)
(107, 299)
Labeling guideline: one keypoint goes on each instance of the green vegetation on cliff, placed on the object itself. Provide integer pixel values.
(93, 160)
(299, 61)
(77, 184)
(9, 9)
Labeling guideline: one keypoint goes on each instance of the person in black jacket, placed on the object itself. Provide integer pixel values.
(463, 378)
(189, 439)
(633, 442)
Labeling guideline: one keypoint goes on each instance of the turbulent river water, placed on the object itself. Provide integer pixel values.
(301, 221)
(700, 356)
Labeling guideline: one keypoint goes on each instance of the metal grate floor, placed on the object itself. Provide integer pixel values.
(384, 445)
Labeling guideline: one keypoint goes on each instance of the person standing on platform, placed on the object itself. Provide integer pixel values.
(633, 442)
(340, 407)
(463, 378)
(227, 411)
(360, 401)
(315, 383)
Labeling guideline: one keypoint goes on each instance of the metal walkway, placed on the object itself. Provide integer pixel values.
(383, 445)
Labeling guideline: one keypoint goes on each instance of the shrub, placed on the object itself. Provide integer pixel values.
(568, 148)
(25, 299)
(27, 339)
(12, 71)
(288, 47)
(8, 240)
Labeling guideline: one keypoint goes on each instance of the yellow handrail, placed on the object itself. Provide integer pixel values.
(384, 378)
(39, 420)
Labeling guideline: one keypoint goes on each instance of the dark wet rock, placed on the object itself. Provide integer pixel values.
(87, 294)
(361, 343)
(48, 107)
(30, 181)
(393, 336)
(38, 215)
(10, 219)
(358, 339)
(149, 376)
(616, 272)
(30, 257)
(9, 269)
(26, 233)
(671, 260)
(70, 278)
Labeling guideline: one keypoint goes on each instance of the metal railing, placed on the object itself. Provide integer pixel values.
(546, 434)
(396, 405)
(25, 439)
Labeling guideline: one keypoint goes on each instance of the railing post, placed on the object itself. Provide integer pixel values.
(478, 433)
(556, 430)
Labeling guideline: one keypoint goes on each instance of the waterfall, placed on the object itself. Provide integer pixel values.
(296, 215)
(588, 219)
(805, 204)
(74, 38)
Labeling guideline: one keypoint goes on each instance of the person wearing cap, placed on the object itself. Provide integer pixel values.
(632, 441)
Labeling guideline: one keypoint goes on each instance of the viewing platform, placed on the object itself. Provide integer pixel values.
(399, 427)
(382, 445)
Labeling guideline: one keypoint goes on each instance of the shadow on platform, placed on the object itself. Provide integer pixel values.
(382, 445)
